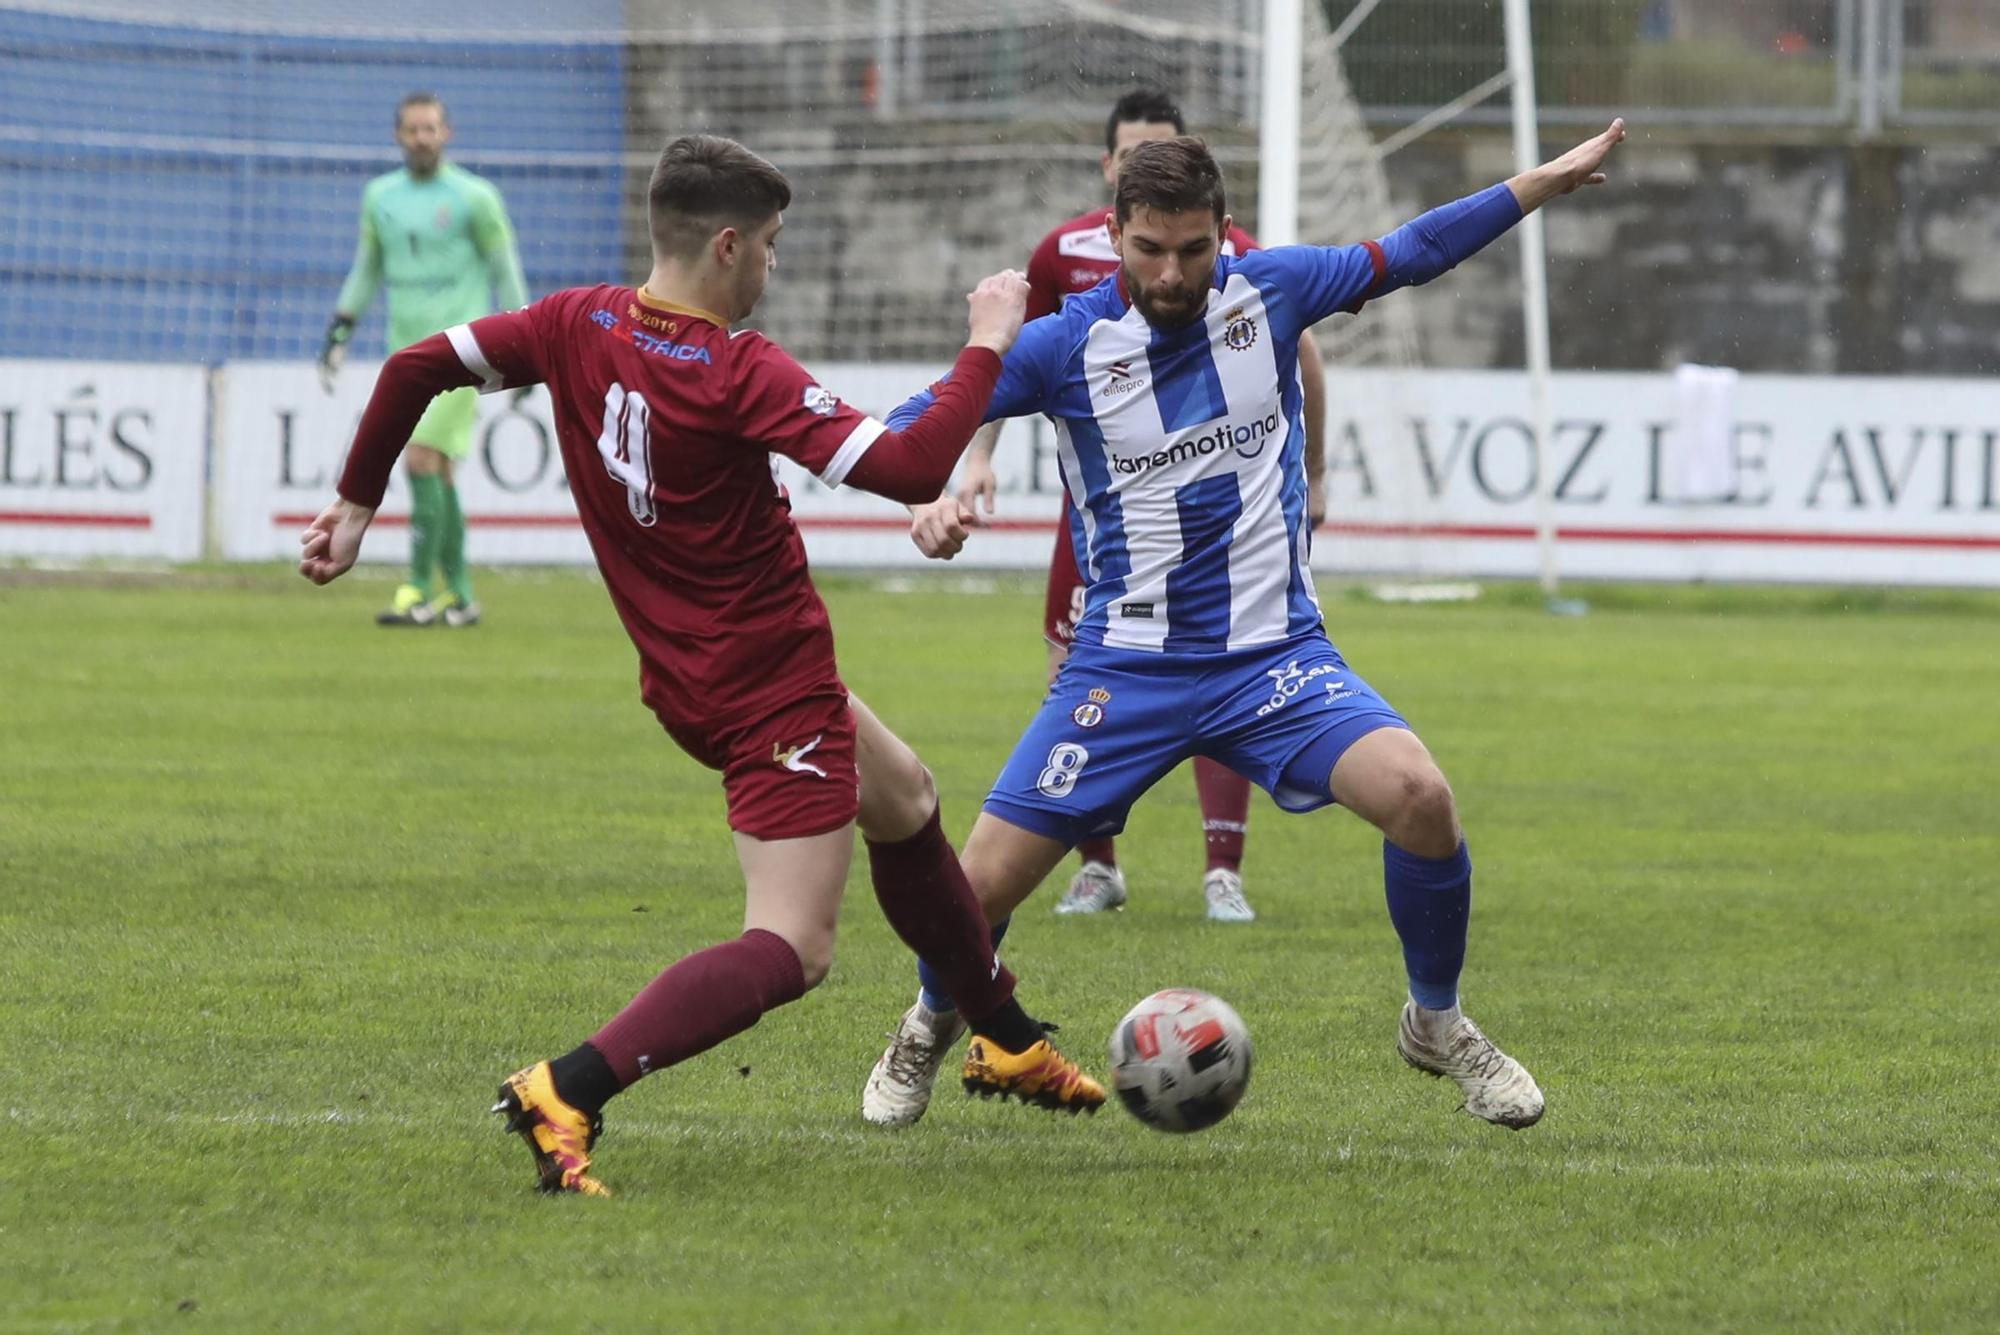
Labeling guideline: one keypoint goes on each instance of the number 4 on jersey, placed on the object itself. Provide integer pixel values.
(627, 449)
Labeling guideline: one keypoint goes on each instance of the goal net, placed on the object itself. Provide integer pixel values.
(202, 160)
(181, 181)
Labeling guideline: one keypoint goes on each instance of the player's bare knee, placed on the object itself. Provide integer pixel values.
(986, 886)
(812, 942)
(897, 799)
(999, 887)
(815, 959)
(1427, 817)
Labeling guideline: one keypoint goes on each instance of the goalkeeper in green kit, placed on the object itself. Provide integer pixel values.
(439, 238)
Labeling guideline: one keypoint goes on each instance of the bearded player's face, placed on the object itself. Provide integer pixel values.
(422, 132)
(1169, 262)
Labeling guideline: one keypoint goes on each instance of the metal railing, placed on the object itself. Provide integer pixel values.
(1941, 62)
(1868, 65)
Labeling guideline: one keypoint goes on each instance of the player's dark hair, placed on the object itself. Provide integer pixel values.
(1142, 106)
(422, 100)
(704, 182)
(1168, 176)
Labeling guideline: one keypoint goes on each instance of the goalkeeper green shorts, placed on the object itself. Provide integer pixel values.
(446, 425)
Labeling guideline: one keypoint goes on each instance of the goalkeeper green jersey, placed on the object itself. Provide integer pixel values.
(441, 244)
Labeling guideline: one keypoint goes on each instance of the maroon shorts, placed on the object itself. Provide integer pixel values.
(1062, 606)
(788, 774)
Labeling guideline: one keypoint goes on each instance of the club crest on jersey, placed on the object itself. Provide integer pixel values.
(1087, 715)
(1120, 380)
(820, 401)
(1239, 331)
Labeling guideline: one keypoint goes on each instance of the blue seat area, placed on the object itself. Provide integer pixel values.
(191, 195)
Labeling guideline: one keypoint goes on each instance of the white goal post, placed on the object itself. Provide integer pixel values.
(1284, 32)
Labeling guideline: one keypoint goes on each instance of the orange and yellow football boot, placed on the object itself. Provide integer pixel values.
(1041, 1076)
(558, 1135)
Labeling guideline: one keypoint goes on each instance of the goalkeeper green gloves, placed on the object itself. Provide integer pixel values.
(334, 351)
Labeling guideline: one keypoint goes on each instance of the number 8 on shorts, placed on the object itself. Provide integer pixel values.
(1065, 765)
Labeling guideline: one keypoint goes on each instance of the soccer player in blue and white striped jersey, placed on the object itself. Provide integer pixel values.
(1174, 391)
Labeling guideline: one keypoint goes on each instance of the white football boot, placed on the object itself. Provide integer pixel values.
(1497, 1088)
(1096, 888)
(899, 1088)
(1223, 889)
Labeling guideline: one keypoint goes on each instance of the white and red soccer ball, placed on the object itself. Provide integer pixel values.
(1180, 1060)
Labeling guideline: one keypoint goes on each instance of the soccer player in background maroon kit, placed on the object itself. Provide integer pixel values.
(666, 420)
(1075, 257)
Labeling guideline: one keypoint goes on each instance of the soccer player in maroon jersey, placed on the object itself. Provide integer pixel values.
(1074, 257)
(666, 419)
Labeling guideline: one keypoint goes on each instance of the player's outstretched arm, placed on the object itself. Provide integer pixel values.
(913, 460)
(1343, 278)
(410, 379)
(1578, 167)
(940, 528)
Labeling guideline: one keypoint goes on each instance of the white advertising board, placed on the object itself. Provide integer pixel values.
(280, 443)
(102, 459)
(1429, 473)
(1849, 480)
(282, 440)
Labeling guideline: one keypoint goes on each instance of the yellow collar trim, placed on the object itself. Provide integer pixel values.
(675, 308)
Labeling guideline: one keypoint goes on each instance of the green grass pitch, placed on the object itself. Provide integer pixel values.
(282, 897)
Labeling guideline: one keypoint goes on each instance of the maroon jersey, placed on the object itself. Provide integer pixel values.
(1077, 256)
(667, 422)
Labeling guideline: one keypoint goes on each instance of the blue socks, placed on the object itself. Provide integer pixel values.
(1430, 901)
(932, 990)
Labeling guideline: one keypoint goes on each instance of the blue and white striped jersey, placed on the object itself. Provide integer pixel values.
(1184, 449)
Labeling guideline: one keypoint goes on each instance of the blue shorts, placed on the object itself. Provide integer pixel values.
(1117, 721)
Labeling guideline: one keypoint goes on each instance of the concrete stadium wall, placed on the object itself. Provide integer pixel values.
(1808, 258)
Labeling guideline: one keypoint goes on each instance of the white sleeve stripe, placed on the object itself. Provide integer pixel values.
(468, 350)
(866, 432)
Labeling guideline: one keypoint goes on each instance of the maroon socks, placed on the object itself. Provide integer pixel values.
(1099, 850)
(719, 992)
(699, 1001)
(1225, 812)
(926, 898)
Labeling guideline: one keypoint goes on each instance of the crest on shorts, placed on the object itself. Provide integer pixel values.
(1239, 331)
(1099, 696)
(1087, 715)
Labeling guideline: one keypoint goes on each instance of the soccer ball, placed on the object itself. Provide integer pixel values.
(1180, 1060)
